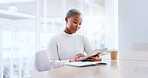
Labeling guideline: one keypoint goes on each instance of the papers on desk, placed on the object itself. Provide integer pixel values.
(85, 64)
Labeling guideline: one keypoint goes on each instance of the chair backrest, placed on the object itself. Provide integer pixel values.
(41, 61)
(140, 46)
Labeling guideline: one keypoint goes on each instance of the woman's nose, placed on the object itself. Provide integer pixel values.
(78, 26)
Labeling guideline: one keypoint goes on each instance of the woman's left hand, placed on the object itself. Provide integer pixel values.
(96, 58)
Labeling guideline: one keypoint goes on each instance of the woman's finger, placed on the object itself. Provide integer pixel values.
(90, 60)
(94, 59)
(98, 58)
(98, 54)
(90, 57)
(80, 55)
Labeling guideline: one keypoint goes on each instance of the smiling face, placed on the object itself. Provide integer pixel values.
(73, 24)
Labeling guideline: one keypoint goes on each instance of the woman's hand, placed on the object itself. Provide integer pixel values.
(77, 57)
(96, 58)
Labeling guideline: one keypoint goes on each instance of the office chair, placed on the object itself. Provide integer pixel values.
(41, 61)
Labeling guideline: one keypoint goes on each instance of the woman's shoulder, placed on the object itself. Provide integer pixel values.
(54, 37)
(82, 37)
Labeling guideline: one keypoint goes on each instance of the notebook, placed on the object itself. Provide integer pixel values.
(85, 64)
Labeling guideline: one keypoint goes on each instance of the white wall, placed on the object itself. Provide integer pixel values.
(111, 24)
(133, 22)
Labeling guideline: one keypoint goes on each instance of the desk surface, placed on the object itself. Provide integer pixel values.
(113, 69)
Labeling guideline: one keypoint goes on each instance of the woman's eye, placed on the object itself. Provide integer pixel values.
(75, 22)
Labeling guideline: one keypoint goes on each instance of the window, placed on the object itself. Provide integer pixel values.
(25, 29)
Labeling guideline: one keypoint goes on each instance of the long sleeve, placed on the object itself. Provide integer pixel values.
(52, 49)
(88, 47)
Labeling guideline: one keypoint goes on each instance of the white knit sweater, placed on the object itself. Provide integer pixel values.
(63, 47)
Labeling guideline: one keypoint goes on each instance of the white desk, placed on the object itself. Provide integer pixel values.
(113, 69)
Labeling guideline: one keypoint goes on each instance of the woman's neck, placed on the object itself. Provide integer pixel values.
(67, 31)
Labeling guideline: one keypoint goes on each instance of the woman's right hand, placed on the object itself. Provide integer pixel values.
(75, 59)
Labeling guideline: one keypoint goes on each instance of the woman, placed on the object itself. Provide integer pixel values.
(69, 46)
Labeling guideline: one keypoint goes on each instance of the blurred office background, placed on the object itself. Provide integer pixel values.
(27, 25)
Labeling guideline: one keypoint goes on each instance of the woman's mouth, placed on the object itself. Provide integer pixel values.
(75, 29)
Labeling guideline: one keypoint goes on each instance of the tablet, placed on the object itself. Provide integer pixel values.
(94, 53)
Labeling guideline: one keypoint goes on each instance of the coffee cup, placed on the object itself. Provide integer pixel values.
(113, 54)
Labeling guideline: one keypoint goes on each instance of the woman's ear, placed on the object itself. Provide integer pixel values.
(66, 19)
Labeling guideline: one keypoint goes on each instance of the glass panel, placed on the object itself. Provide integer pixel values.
(18, 37)
(0, 36)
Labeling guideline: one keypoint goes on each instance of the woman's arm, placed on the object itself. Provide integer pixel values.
(52, 50)
(88, 47)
